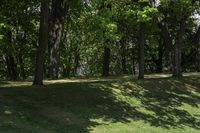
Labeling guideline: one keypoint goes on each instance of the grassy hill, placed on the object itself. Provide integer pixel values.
(116, 105)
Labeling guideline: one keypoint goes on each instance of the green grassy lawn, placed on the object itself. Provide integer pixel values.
(120, 105)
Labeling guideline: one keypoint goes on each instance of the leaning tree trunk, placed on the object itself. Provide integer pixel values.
(177, 67)
(57, 22)
(43, 42)
(141, 42)
(106, 62)
(197, 41)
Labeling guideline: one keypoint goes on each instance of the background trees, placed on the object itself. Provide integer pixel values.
(94, 38)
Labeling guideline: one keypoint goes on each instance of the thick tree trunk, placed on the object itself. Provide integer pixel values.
(177, 68)
(57, 21)
(43, 42)
(106, 62)
(197, 41)
(141, 43)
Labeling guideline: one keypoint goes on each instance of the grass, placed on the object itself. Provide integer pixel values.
(120, 105)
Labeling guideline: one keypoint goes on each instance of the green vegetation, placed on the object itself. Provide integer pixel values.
(114, 105)
(54, 39)
(51, 49)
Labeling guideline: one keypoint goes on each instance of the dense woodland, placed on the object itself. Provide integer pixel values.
(52, 39)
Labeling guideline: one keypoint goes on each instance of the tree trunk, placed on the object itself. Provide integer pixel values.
(197, 41)
(106, 62)
(133, 61)
(11, 67)
(21, 63)
(43, 42)
(177, 68)
(141, 43)
(123, 55)
(57, 21)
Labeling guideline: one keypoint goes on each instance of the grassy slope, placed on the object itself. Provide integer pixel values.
(115, 106)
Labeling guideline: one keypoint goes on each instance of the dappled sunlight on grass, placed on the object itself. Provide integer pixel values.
(110, 105)
(15, 84)
(162, 100)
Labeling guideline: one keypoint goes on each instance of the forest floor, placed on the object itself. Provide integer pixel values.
(114, 105)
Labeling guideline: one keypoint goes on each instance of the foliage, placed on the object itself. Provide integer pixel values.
(91, 25)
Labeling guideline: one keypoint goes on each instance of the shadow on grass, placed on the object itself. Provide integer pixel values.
(165, 97)
(61, 108)
(73, 107)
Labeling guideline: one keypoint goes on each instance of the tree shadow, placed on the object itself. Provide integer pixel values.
(164, 98)
(76, 107)
(68, 107)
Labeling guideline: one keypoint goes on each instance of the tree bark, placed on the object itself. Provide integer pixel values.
(197, 41)
(106, 61)
(160, 60)
(57, 21)
(123, 55)
(11, 67)
(21, 63)
(177, 68)
(133, 61)
(43, 42)
(141, 43)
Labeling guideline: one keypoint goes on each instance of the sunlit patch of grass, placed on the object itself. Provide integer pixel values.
(15, 84)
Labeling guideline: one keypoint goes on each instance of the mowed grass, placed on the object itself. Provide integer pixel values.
(121, 105)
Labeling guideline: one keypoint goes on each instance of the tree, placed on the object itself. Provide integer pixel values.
(146, 13)
(141, 43)
(177, 68)
(197, 42)
(59, 10)
(106, 61)
(95, 38)
(43, 43)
